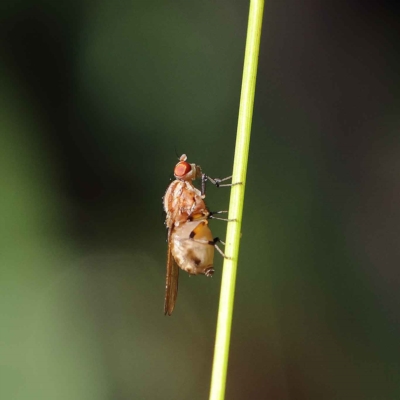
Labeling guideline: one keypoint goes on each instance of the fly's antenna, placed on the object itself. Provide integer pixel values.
(176, 153)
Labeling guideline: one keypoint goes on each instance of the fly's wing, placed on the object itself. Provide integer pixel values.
(171, 284)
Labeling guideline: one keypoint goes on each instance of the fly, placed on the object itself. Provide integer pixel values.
(190, 241)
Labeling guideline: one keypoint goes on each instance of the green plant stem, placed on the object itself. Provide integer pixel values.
(222, 341)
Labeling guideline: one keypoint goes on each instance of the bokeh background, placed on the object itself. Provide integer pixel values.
(97, 98)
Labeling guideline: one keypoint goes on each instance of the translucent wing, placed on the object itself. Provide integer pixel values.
(171, 283)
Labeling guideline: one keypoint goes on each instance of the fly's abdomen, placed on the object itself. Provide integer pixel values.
(193, 247)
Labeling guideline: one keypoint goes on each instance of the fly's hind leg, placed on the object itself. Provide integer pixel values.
(218, 240)
(192, 236)
(213, 243)
(209, 242)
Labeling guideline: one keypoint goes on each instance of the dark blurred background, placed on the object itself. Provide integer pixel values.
(97, 98)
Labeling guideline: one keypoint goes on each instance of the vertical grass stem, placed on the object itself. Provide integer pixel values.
(222, 341)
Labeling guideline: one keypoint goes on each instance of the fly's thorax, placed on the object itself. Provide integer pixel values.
(183, 202)
(192, 247)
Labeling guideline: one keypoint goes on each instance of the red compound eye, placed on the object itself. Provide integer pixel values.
(181, 169)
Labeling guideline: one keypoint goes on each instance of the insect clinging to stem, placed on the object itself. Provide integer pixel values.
(190, 241)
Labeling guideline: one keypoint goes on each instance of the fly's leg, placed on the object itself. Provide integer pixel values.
(218, 240)
(211, 243)
(211, 216)
(207, 242)
(216, 182)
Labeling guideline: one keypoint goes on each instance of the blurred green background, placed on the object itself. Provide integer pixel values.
(96, 99)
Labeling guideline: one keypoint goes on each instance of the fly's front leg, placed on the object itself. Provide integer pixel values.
(203, 184)
(216, 182)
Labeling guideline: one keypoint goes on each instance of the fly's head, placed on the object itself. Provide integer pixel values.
(185, 171)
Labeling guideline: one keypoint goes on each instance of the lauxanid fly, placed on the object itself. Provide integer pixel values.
(190, 241)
